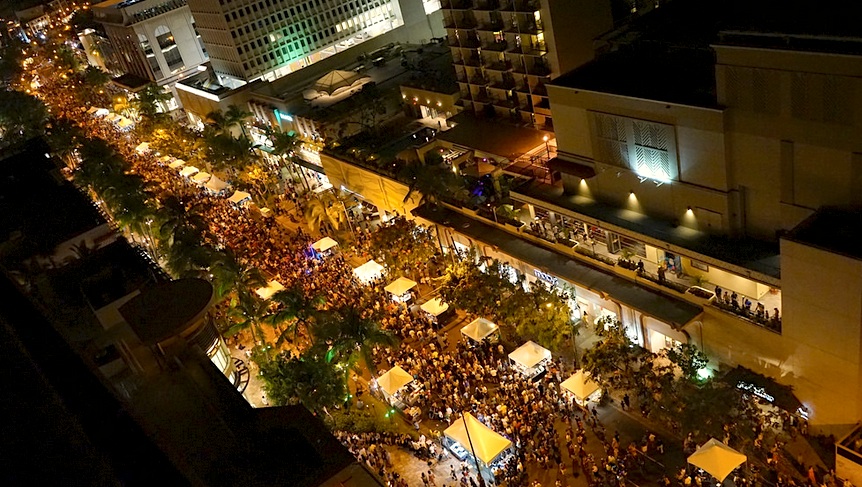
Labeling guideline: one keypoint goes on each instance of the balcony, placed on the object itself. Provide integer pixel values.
(537, 50)
(491, 26)
(479, 80)
(456, 5)
(521, 6)
(502, 66)
(474, 61)
(506, 103)
(498, 46)
(470, 42)
(487, 5)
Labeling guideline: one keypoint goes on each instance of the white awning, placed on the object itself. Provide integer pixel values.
(393, 380)
(188, 171)
(142, 148)
(487, 444)
(717, 459)
(92, 110)
(201, 177)
(479, 329)
(101, 112)
(124, 122)
(581, 385)
(176, 164)
(324, 244)
(216, 185)
(530, 355)
(113, 117)
(400, 286)
(368, 271)
(434, 307)
(238, 197)
(164, 159)
(271, 288)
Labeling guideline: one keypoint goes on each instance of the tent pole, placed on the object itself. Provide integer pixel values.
(473, 450)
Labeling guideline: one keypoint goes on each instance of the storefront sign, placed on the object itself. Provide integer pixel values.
(544, 276)
(757, 391)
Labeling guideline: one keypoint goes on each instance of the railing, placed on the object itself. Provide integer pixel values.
(771, 324)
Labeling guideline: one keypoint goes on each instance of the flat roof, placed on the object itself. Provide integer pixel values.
(668, 309)
(748, 253)
(118, 270)
(167, 309)
(832, 228)
(492, 136)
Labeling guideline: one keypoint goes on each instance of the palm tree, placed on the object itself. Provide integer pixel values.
(248, 311)
(236, 116)
(351, 336)
(295, 307)
(173, 215)
(230, 274)
(316, 215)
(152, 101)
(432, 181)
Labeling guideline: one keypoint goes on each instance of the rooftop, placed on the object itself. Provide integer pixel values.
(117, 269)
(834, 229)
(493, 137)
(167, 309)
(754, 255)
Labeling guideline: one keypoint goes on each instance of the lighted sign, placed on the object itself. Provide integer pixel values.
(544, 276)
(283, 116)
(757, 391)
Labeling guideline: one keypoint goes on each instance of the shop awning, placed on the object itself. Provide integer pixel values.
(530, 355)
(188, 171)
(393, 380)
(142, 148)
(216, 185)
(487, 444)
(368, 271)
(434, 307)
(201, 177)
(581, 385)
(750, 382)
(572, 168)
(238, 197)
(324, 244)
(400, 286)
(271, 288)
(479, 329)
(177, 164)
(717, 459)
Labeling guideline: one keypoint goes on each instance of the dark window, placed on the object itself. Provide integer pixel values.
(233, 15)
(245, 66)
(233, 34)
(254, 8)
(226, 18)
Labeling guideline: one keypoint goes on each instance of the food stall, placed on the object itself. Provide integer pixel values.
(188, 171)
(201, 178)
(178, 163)
(271, 288)
(717, 459)
(216, 186)
(531, 359)
(400, 289)
(325, 246)
(142, 148)
(471, 441)
(434, 308)
(368, 272)
(582, 388)
(239, 198)
(398, 388)
(481, 329)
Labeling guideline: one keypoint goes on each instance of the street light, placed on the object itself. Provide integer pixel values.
(547, 146)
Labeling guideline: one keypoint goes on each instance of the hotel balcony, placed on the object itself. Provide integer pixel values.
(501, 66)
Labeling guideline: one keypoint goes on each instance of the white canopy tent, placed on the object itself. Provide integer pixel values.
(368, 271)
(487, 444)
(124, 123)
(164, 159)
(530, 357)
(113, 117)
(177, 164)
(142, 148)
(101, 112)
(324, 244)
(434, 307)
(400, 286)
(271, 288)
(188, 171)
(216, 185)
(92, 110)
(201, 178)
(581, 385)
(337, 80)
(238, 197)
(479, 329)
(717, 459)
(393, 380)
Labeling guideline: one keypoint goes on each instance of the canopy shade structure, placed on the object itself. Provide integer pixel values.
(487, 444)
(201, 177)
(324, 244)
(142, 148)
(335, 80)
(400, 286)
(111, 117)
(92, 110)
(479, 329)
(216, 185)
(435, 307)
(101, 112)
(393, 380)
(188, 171)
(581, 385)
(124, 122)
(177, 164)
(238, 197)
(530, 355)
(368, 271)
(271, 288)
(717, 459)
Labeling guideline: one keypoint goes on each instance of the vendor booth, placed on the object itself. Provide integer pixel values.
(201, 178)
(325, 246)
(481, 329)
(216, 185)
(189, 171)
(468, 439)
(400, 289)
(165, 159)
(582, 388)
(531, 359)
(271, 288)
(239, 197)
(435, 309)
(100, 112)
(368, 271)
(124, 123)
(399, 390)
(142, 148)
(177, 164)
(717, 459)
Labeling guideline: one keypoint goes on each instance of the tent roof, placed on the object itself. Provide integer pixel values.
(188, 171)
(400, 286)
(479, 329)
(177, 163)
(530, 354)
(434, 307)
(238, 197)
(271, 288)
(201, 177)
(92, 110)
(101, 112)
(580, 384)
(142, 147)
(324, 244)
(335, 79)
(368, 271)
(112, 116)
(215, 184)
(717, 459)
(487, 444)
(166, 158)
(125, 122)
(394, 379)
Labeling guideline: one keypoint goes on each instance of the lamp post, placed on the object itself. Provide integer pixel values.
(470, 441)
(547, 146)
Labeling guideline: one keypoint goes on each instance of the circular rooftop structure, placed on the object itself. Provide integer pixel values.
(167, 309)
